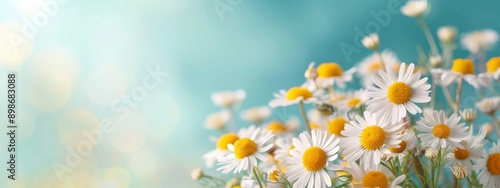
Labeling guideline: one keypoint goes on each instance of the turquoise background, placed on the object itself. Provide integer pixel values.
(258, 46)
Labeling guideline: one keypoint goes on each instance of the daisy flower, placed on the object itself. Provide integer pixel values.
(337, 125)
(408, 142)
(283, 147)
(256, 114)
(440, 131)
(368, 138)
(217, 120)
(353, 100)
(397, 94)
(488, 105)
(415, 8)
(447, 33)
(221, 149)
(312, 155)
(293, 96)
(278, 127)
(464, 68)
(228, 98)
(330, 74)
(245, 151)
(376, 176)
(470, 152)
(492, 67)
(478, 41)
(371, 41)
(490, 165)
(372, 64)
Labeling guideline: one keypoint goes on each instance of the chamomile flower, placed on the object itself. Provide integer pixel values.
(408, 142)
(375, 176)
(312, 155)
(228, 98)
(490, 165)
(415, 8)
(464, 69)
(217, 120)
(447, 33)
(221, 149)
(330, 74)
(293, 96)
(354, 100)
(470, 152)
(336, 125)
(245, 152)
(479, 41)
(492, 67)
(368, 138)
(371, 41)
(372, 64)
(396, 94)
(488, 105)
(278, 127)
(256, 114)
(283, 147)
(439, 131)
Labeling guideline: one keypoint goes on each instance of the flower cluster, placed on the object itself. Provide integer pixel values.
(389, 133)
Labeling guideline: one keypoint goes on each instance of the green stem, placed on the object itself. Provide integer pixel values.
(304, 116)
(257, 177)
(429, 36)
(377, 51)
(496, 122)
(458, 94)
(440, 160)
(287, 182)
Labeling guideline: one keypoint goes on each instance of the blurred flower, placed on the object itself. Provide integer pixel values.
(354, 100)
(469, 115)
(460, 171)
(488, 164)
(447, 34)
(488, 128)
(221, 149)
(311, 72)
(293, 96)
(330, 74)
(439, 131)
(217, 120)
(256, 114)
(431, 153)
(492, 67)
(397, 94)
(233, 182)
(371, 41)
(436, 61)
(311, 157)
(368, 137)
(337, 125)
(481, 40)
(370, 65)
(283, 147)
(415, 8)
(274, 175)
(228, 98)
(197, 174)
(464, 68)
(488, 105)
(374, 176)
(246, 151)
(278, 127)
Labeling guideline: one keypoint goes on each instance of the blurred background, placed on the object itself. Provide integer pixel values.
(145, 70)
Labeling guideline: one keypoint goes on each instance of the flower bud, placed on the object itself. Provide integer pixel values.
(468, 115)
(371, 41)
(197, 174)
(447, 34)
(430, 153)
(460, 171)
(436, 61)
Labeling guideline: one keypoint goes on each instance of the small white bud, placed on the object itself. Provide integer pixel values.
(197, 174)
(415, 8)
(430, 153)
(468, 115)
(447, 34)
(436, 61)
(460, 171)
(311, 72)
(371, 41)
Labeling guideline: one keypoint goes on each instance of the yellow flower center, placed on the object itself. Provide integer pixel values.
(276, 127)
(314, 159)
(399, 93)
(461, 154)
(226, 139)
(375, 66)
(296, 92)
(354, 102)
(274, 175)
(237, 186)
(441, 131)
(372, 137)
(375, 179)
(463, 66)
(327, 70)
(336, 125)
(402, 147)
(493, 64)
(244, 147)
(493, 164)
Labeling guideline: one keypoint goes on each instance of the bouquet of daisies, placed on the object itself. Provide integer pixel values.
(389, 133)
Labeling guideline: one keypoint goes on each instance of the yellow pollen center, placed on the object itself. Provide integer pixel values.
(314, 159)
(327, 70)
(493, 164)
(274, 175)
(244, 147)
(336, 125)
(375, 66)
(375, 179)
(402, 147)
(399, 93)
(493, 64)
(441, 131)
(276, 127)
(237, 186)
(354, 102)
(296, 92)
(372, 137)
(463, 66)
(226, 139)
(461, 154)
